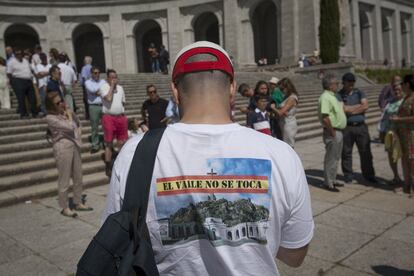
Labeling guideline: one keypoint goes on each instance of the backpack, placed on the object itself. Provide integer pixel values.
(122, 246)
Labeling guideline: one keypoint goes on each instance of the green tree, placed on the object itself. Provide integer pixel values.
(329, 31)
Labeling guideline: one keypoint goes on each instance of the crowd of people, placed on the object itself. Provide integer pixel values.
(44, 87)
(342, 114)
(31, 74)
(272, 108)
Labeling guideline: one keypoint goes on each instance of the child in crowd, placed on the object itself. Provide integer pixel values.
(136, 127)
(247, 92)
(259, 118)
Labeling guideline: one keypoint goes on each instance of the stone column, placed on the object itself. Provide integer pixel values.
(174, 31)
(221, 38)
(388, 41)
(397, 38)
(378, 34)
(57, 35)
(407, 46)
(346, 50)
(230, 29)
(164, 35)
(289, 29)
(117, 46)
(131, 54)
(107, 51)
(247, 44)
(411, 36)
(356, 29)
(188, 36)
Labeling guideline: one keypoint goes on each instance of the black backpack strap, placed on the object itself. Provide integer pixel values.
(140, 172)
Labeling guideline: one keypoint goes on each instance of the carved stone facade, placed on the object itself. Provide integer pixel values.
(118, 32)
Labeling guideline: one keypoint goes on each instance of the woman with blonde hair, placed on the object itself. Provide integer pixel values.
(65, 131)
(287, 111)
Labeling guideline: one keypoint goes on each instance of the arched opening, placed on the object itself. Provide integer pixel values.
(266, 32)
(88, 41)
(206, 28)
(21, 36)
(146, 32)
(365, 30)
(229, 236)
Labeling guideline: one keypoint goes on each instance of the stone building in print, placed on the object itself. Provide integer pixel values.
(117, 33)
(211, 220)
(214, 230)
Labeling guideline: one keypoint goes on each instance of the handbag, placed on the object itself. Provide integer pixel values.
(122, 246)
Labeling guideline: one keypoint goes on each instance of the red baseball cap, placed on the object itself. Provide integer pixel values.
(222, 62)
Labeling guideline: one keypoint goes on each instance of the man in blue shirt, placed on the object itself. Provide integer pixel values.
(355, 104)
(95, 106)
(84, 76)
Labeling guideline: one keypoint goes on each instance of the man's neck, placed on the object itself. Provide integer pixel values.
(214, 115)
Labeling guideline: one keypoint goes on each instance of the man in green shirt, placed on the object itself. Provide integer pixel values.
(277, 96)
(332, 117)
(275, 92)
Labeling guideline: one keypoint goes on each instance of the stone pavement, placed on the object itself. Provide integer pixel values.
(362, 230)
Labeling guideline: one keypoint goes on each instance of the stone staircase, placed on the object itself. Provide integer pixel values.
(27, 166)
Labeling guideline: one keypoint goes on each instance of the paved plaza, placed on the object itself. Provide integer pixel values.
(363, 230)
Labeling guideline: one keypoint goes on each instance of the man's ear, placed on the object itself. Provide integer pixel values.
(233, 86)
(175, 93)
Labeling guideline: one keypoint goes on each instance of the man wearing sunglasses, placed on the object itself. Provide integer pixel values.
(95, 106)
(153, 109)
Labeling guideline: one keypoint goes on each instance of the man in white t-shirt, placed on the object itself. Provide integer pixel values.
(114, 121)
(218, 205)
(68, 79)
(42, 74)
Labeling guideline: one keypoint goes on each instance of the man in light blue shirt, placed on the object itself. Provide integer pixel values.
(84, 76)
(95, 106)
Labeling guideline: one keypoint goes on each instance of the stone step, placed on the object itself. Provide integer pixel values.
(34, 154)
(40, 164)
(43, 176)
(46, 189)
(19, 134)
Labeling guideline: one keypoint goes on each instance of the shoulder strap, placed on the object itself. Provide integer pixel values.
(140, 173)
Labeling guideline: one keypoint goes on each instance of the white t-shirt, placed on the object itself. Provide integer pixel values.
(115, 107)
(40, 68)
(68, 75)
(19, 69)
(220, 206)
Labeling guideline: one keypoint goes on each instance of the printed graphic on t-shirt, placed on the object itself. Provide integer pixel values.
(227, 205)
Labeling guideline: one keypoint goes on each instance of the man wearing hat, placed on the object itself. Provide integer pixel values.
(221, 193)
(356, 132)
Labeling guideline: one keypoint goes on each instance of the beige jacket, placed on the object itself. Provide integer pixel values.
(61, 128)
